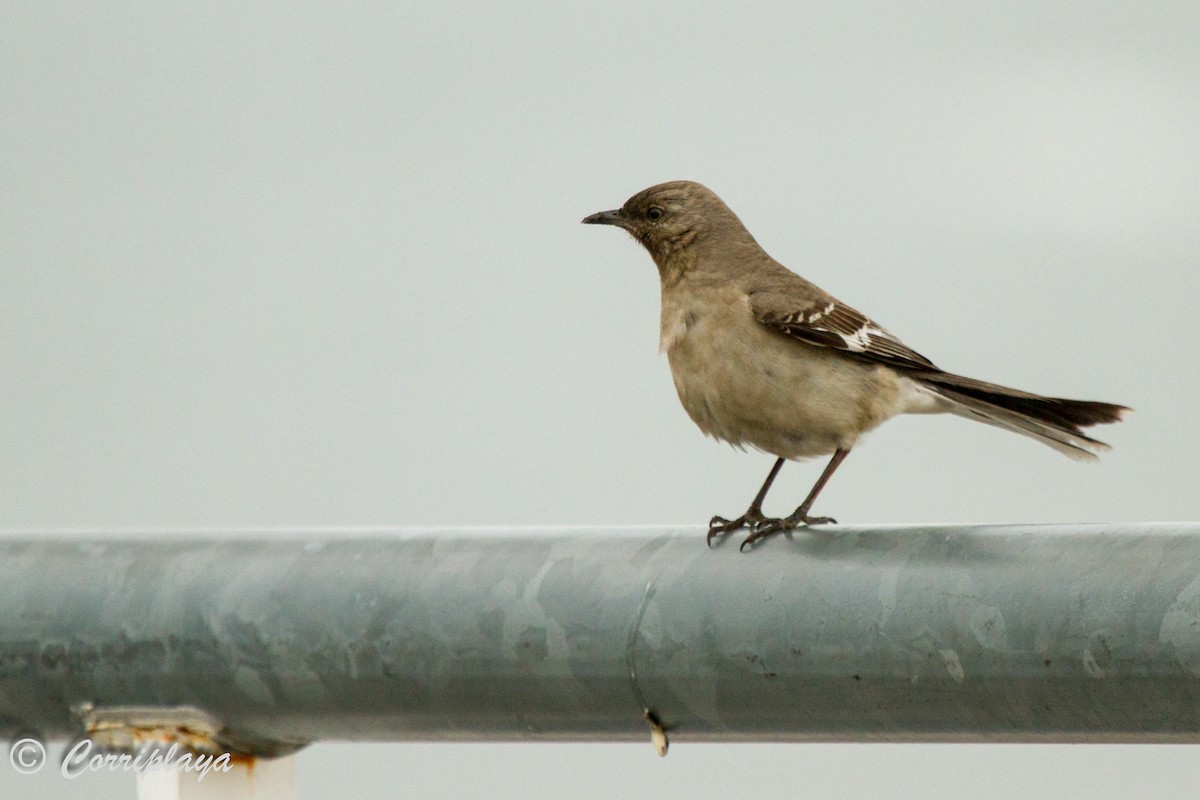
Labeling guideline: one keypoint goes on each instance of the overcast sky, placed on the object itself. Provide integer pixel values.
(322, 266)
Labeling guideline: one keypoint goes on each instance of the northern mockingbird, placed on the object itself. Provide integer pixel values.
(762, 357)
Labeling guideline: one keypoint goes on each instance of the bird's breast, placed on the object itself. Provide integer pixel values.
(747, 385)
(673, 324)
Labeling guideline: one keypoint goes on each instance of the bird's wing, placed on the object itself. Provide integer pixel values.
(816, 318)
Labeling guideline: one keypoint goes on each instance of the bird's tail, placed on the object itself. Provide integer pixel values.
(1053, 421)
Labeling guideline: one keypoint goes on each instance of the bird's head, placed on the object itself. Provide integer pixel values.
(671, 218)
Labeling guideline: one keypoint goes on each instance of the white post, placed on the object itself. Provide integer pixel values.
(256, 779)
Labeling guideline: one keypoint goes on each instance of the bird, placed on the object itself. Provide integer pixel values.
(761, 357)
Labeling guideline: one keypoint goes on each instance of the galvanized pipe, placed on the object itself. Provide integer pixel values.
(1047, 633)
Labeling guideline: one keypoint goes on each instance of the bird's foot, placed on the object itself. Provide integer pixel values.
(751, 519)
(767, 526)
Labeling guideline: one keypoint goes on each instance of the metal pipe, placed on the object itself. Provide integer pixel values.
(1022, 633)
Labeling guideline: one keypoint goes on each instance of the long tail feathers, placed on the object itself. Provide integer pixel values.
(1053, 421)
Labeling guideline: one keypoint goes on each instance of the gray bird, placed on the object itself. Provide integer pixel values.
(762, 357)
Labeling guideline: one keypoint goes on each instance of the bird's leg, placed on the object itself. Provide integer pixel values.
(800, 515)
(753, 515)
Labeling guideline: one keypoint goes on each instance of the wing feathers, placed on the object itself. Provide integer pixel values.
(818, 319)
(806, 313)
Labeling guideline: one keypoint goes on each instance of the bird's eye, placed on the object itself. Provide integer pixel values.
(654, 212)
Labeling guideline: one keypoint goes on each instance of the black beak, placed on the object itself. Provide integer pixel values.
(614, 217)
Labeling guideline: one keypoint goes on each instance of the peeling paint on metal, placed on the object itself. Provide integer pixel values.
(1180, 627)
(953, 665)
(1090, 666)
(987, 624)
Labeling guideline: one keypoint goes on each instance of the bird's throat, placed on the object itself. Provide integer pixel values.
(673, 265)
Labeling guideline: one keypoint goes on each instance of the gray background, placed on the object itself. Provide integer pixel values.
(322, 266)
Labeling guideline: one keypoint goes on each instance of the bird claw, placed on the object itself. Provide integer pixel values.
(762, 530)
(718, 525)
(760, 526)
(768, 526)
(765, 527)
